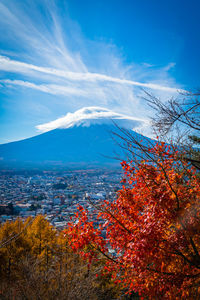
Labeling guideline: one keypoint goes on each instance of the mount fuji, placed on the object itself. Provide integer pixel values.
(80, 139)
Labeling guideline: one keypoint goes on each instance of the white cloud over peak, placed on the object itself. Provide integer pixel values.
(50, 56)
(93, 115)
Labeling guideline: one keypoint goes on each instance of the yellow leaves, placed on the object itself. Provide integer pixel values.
(32, 236)
(188, 205)
(173, 196)
(47, 269)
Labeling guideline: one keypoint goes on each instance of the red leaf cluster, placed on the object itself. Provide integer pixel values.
(153, 228)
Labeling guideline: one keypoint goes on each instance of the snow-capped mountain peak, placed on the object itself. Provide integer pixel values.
(92, 115)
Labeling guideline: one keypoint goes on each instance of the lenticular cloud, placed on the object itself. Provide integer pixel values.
(92, 115)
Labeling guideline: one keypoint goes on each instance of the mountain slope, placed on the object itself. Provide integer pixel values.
(86, 142)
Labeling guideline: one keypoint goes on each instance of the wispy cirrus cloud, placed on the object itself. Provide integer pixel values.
(9, 65)
(46, 88)
(51, 56)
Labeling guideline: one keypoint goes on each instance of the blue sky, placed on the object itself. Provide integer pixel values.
(60, 56)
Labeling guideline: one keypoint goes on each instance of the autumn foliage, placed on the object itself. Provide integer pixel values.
(37, 263)
(152, 228)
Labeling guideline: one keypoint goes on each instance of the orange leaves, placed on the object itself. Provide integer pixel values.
(150, 234)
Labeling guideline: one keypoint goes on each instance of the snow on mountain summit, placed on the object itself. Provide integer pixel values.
(88, 116)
